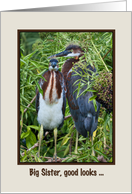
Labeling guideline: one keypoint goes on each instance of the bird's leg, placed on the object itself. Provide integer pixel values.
(55, 139)
(76, 142)
(40, 138)
(93, 153)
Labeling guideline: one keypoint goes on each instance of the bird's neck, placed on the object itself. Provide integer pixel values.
(52, 87)
(68, 66)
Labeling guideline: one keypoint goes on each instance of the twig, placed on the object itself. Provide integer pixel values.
(26, 110)
(51, 159)
(99, 55)
(107, 53)
(30, 103)
(106, 145)
(67, 117)
(34, 146)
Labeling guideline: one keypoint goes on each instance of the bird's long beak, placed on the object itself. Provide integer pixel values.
(61, 54)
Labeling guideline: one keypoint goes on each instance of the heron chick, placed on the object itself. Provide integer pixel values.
(51, 105)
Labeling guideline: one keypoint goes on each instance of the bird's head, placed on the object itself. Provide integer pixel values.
(53, 65)
(70, 51)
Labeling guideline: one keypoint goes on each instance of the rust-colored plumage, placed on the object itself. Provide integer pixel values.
(51, 87)
(59, 80)
(67, 66)
(45, 84)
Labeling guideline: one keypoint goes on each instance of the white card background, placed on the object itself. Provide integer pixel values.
(15, 178)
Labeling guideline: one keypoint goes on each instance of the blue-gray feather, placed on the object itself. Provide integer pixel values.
(85, 117)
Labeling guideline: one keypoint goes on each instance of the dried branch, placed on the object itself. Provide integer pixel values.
(51, 159)
(67, 117)
(30, 103)
(101, 158)
(26, 110)
(106, 145)
(107, 53)
(34, 146)
(99, 55)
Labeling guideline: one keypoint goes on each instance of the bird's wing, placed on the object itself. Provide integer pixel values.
(70, 92)
(85, 106)
(64, 90)
(62, 83)
(37, 100)
(83, 111)
(41, 83)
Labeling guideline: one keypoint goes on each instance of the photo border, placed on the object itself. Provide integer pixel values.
(18, 97)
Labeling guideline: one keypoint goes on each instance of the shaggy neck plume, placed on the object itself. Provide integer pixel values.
(68, 66)
(52, 88)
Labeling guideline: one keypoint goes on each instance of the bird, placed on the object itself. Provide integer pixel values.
(82, 110)
(51, 103)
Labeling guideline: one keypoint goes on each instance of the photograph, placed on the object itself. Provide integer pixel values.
(66, 97)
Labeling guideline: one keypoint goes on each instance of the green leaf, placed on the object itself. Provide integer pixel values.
(94, 158)
(23, 62)
(30, 140)
(92, 98)
(27, 57)
(65, 140)
(66, 150)
(95, 105)
(82, 138)
(28, 143)
(37, 159)
(24, 157)
(92, 91)
(111, 160)
(98, 145)
(39, 88)
(24, 135)
(69, 159)
(76, 82)
(34, 127)
(100, 153)
(82, 92)
(35, 64)
(83, 157)
(78, 90)
(106, 119)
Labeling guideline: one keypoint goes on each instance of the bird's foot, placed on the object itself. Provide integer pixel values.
(55, 158)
